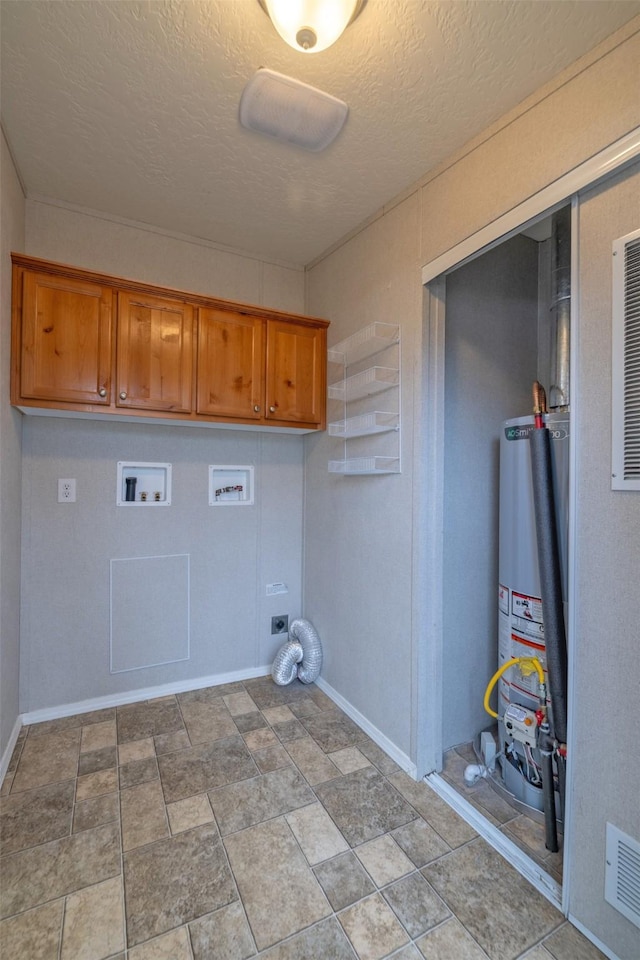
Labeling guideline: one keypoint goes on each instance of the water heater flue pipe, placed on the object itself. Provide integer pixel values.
(560, 308)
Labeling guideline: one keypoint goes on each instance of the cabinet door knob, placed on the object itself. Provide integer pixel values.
(123, 395)
(272, 409)
(102, 392)
(256, 408)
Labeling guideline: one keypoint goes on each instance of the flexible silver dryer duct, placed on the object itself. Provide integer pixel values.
(302, 654)
(306, 634)
(285, 665)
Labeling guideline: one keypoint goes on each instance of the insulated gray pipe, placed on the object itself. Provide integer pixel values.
(561, 765)
(550, 579)
(548, 796)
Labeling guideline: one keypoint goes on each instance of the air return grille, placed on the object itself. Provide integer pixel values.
(622, 874)
(625, 470)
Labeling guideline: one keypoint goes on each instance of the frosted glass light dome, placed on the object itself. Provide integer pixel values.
(311, 25)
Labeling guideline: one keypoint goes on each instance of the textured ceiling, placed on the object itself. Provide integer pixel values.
(131, 108)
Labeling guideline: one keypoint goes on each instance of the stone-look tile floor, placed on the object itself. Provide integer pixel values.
(247, 820)
(526, 832)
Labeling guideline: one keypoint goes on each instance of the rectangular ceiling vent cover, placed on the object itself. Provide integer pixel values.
(625, 466)
(622, 873)
(288, 109)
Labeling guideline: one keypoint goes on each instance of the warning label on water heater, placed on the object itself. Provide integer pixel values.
(520, 634)
(526, 618)
(528, 608)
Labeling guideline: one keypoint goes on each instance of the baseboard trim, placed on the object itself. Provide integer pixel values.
(6, 756)
(144, 693)
(376, 735)
(536, 876)
(214, 680)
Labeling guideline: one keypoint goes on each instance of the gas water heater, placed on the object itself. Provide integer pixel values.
(520, 621)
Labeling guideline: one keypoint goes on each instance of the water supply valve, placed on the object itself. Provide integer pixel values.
(521, 724)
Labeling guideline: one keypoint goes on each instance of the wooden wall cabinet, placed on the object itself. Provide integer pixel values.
(296, 372)
(65, 339)
(93, 344)
(230, 364)
(264, 369)
(154, 357)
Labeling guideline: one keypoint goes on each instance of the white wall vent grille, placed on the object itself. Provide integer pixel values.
(622, 873)
(625, 468)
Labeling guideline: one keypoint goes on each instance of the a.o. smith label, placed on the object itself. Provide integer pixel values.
(558, 431)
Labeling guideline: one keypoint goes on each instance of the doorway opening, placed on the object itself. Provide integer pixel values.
(499, 321)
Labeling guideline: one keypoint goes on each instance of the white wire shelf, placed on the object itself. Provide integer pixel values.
(377, 421)
(365, 465)
(365, 343)
(364, 384)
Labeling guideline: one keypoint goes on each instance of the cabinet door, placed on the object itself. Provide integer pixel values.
(154, 361)
(65, 340)
(230, 364)
(296, 373)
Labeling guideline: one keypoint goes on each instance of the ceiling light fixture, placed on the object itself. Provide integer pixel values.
(310, 26)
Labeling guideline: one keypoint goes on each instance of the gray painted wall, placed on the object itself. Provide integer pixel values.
(359, 529)
(234, 551)
(491, 331)
(606, 771)
(56, 232)
(12, 238)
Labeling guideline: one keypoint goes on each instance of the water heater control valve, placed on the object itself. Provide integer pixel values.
(521, 724)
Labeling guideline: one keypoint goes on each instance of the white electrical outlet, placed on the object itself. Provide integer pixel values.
(66, 491)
